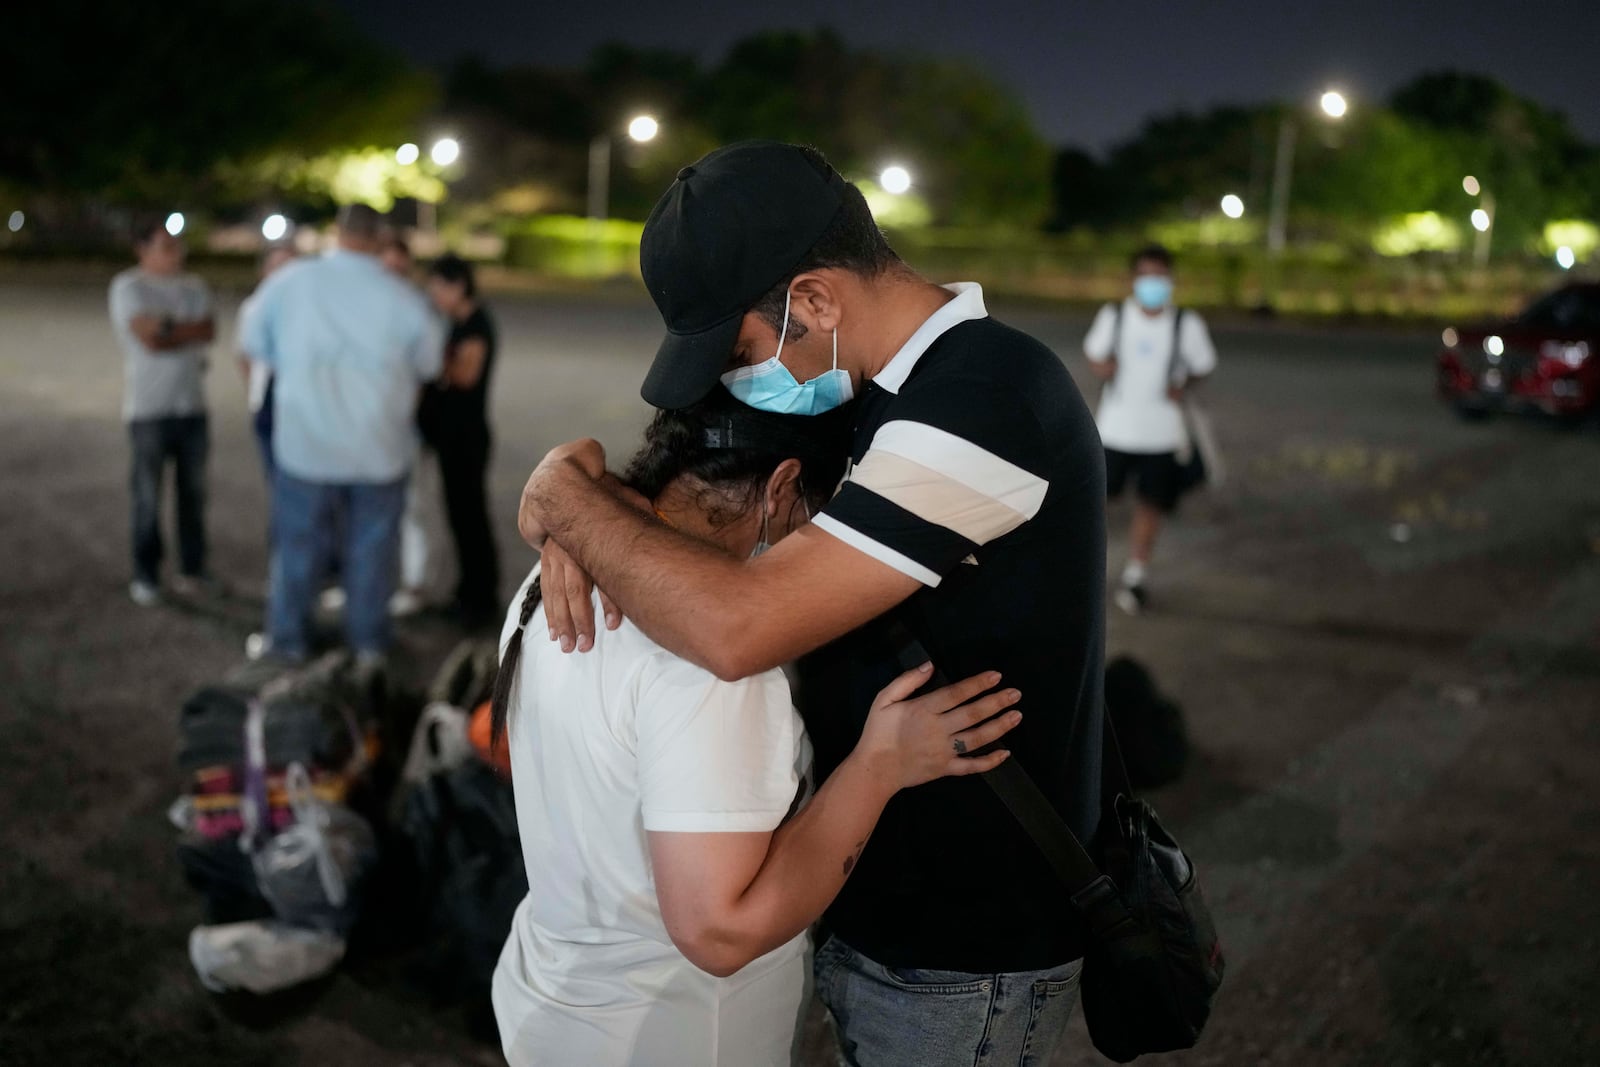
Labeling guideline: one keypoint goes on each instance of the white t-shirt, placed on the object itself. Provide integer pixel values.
(1135, 413)
(604, 746)
(169, 382)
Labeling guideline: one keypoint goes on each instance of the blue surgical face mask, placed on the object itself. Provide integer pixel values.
(770, 387)
(1152, 291)
(764, 545)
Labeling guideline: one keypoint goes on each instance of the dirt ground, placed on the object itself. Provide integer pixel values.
(1384, 629)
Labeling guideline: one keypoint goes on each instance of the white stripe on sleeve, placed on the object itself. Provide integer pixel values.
(935, 497)
(960, 460)
(880, 552)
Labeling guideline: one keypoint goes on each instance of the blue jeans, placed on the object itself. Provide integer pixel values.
(185, 440)
(306, 519)
(918, 1018)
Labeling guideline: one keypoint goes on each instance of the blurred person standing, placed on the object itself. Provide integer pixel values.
(1148, 352)
(348, 345)
(163, 319)
(418, 561)
(455, 424)
(257, 375)
(395, 254)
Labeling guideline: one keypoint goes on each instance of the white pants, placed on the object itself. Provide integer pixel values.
(420, 562)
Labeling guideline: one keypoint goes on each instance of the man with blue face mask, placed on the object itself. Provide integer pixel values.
(972, 516)
(1147, 352)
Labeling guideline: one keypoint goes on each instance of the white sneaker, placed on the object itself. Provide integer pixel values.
(332, 599)
(144, 594)
(405, 602)
(1130, 598)
(256, 646)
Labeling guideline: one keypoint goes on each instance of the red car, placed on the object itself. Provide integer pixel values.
(1546, 359)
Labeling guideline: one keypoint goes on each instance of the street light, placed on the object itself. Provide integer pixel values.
(407, 154)
(274, 226)
(641, 128)
(445, 151)
(895, 179)
(14, 223)
(1334, 106)
(1565, 257)
(1482, 219)
(1232, 206)
(175, 223)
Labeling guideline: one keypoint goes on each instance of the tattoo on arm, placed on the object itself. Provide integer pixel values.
(960, 746)
(850, 860)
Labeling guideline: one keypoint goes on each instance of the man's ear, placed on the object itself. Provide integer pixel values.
(784, 484)
(816, 295)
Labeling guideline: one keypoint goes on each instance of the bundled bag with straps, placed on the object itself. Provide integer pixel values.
(1154, 962)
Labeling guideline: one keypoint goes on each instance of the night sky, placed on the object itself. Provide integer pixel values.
(1089, 72)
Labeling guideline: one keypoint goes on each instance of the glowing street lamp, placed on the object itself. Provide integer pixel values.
(640, 129)
(1334, 106)
(445, 151)
(1232, 206)
(14, 223)
(175, 223)
(1482, 219)
(895, 179)
(643, 128)
(274, 226)
(407, 154)
(1565, 257)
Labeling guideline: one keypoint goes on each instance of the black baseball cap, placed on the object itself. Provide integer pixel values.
(729, 228)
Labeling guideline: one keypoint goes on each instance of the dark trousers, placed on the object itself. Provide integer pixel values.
(185, 440)
(463, 467)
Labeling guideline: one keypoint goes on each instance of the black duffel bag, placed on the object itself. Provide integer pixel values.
(1154, 962)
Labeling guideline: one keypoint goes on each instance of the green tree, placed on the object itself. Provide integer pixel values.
(968, 141)
(136, 102)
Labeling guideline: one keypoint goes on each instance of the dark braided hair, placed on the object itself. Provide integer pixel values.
(732, 450)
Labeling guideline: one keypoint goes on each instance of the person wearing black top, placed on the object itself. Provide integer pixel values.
(972, 516)
(454, 420)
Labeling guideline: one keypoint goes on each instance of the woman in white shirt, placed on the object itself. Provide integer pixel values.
(671, 879)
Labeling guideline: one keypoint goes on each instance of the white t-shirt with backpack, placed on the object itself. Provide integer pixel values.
(1135, 414)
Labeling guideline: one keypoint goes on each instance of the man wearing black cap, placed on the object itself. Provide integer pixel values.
(972, 515)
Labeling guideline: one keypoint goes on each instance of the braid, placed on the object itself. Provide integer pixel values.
(508, 666)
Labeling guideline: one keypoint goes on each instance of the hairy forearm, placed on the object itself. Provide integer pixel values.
(807, 864)
(689, 596)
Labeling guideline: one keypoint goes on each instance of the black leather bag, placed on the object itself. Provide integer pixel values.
(1154, 962)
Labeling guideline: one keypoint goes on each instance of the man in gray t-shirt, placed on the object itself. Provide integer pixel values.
(163, 321)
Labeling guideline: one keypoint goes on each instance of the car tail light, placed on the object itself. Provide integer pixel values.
(1567, 354)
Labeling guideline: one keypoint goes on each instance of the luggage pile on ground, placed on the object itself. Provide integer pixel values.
(268, 836)
(302, 826)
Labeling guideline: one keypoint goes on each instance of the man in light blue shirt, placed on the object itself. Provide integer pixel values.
(349, 346)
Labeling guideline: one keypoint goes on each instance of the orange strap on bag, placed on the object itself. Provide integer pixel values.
(479, 731)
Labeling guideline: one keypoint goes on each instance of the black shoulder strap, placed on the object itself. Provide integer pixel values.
(1177, 340)
(1026, 801)
(1116, 329)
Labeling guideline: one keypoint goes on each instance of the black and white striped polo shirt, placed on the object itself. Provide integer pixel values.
(977, 470)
